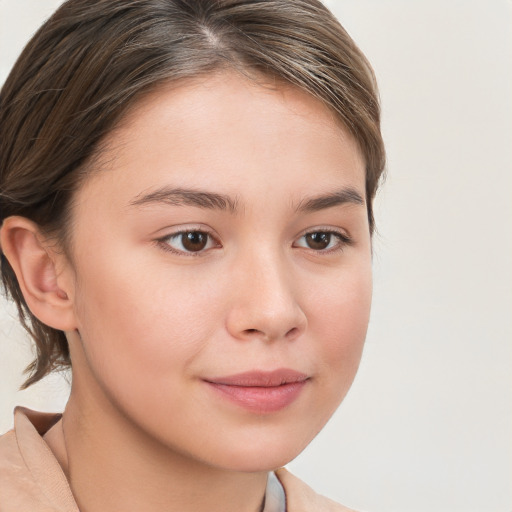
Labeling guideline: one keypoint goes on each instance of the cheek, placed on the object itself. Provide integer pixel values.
(139, 327)
(339, 318)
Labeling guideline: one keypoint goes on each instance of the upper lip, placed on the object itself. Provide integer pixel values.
(264, 379)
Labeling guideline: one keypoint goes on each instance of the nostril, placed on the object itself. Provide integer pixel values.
(291, 334)
(294, 331)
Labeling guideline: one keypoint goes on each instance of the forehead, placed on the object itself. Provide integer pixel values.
(230, 131)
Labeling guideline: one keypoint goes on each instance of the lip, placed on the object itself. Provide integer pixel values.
(261, 391)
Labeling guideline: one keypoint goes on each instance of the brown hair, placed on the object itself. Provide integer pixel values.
(94, 58)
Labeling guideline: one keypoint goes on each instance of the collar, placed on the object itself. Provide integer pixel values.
(275, 498)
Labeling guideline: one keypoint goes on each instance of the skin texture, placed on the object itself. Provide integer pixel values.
(148, 327)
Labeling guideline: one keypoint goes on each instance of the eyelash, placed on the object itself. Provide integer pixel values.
(343, 241)
(163, 242)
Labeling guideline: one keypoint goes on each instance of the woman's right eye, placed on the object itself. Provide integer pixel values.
(188, 242)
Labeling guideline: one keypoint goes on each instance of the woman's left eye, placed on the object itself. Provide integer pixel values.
(190, 242)
(323, 240)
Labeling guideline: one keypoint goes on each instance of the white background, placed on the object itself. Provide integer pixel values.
(428, 423)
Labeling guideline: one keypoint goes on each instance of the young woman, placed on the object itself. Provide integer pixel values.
(186, 203)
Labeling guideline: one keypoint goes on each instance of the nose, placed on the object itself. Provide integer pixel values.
(265, 304)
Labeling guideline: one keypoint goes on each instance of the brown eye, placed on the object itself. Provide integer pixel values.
(194, 240)
(187, 242)
(323, 241)
(319, 240)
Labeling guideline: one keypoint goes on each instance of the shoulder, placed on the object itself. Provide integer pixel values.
(30, 477)
(17, 490)
(301, 498)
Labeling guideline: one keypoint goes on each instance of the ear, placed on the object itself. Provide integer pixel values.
(44, 274)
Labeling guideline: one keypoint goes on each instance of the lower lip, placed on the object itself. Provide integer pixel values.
(261, 399)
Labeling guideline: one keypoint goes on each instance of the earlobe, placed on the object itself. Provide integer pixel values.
(38, 269)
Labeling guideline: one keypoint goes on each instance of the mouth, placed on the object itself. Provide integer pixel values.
(259, 391)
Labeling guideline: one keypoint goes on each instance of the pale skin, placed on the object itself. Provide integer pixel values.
(279, 278)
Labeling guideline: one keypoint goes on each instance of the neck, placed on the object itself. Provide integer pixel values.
(112, 465)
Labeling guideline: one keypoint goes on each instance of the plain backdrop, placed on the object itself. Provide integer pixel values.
(428, 422)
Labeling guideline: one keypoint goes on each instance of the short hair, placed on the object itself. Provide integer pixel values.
(93, 59)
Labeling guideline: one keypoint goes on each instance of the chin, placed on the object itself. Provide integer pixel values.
(259, 454)
(256, 462)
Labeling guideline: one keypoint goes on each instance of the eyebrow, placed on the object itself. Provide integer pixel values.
(322, 202)
(214, 201)
(187, 197)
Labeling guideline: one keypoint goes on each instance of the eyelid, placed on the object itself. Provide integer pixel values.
(344, 238)
(182, 229)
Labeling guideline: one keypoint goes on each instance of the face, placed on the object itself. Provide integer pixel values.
(222, 269)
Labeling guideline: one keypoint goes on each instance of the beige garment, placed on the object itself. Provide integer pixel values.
(31, 479)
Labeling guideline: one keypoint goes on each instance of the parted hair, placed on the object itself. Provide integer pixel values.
(93, 59)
